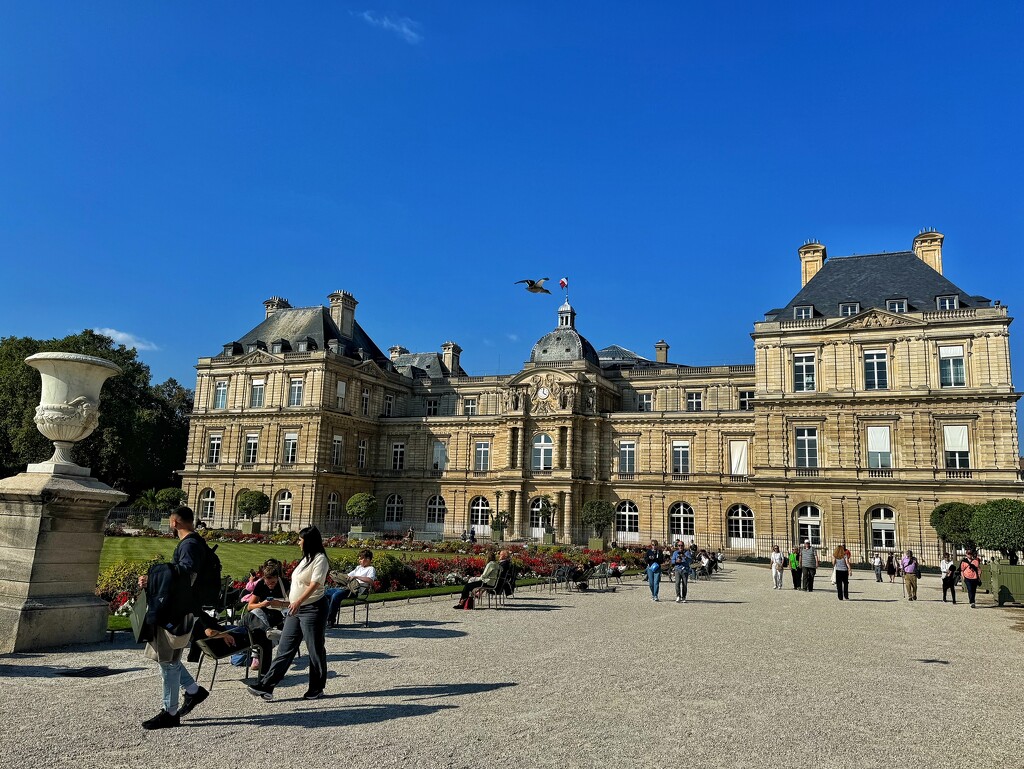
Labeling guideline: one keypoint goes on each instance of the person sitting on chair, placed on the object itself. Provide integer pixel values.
(489, 578)
(268, 599)
(360, 579)
(506, 573)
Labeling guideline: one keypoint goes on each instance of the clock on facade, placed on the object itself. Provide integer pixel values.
(543, 393)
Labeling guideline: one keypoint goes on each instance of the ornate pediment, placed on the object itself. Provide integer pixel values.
(260, 356)
(875, 319)
(545, 392)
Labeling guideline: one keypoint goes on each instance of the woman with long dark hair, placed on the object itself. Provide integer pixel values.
(306, 620)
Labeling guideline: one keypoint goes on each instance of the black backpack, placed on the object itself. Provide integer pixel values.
(208, 585)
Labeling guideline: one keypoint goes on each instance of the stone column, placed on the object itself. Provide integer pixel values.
(566, 513)
(515, 508)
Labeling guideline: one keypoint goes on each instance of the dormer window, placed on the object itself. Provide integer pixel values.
(846, 309)
(276, 348)
(803, 312)
(251, 347)
(947, 302)
(896, 305)
(302, 346)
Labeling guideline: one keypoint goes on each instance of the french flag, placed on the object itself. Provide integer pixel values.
(563, 283)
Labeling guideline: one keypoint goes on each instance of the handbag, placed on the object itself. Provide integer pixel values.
(833, 579)
(138, 616)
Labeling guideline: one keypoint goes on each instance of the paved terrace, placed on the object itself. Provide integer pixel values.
(740, 676)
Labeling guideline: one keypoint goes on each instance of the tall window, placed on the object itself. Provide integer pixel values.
(807, 447)
(220, 395)
(694, 402)
(740, 523)
(896, 305)
(883, 528)
(338, 451)
(284, 506)
(627, 518)
(627, 456)
(537, 516)
(947, 302)
(879, 447)
(252, 447)
(803, 372)
(480, 512)
(440, 456)
(361, 454)
(958, 455)
(207, 504)
(645, 402)
(389, 405)
(213, 449)
(340, 394)
(951, 366)
(256, 390)
(876, 373)
(394, 508)
(366, 402)
(746, 400)
(681, 520)
(295, 392)
(846, 309)
(397, 456)
(436, 510)
(680, 457)
(333, 505)
(469, 407)
(431, 407)
(808, 523)
(543, 452)
(291, 448)
(482, 457)
(738, 457)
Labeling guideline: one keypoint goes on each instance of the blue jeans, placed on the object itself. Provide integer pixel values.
(654, 578)
(175, 676)
(309, 625)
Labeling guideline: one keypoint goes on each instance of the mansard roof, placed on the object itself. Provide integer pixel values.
(871, 280)
(296, 324)
(423, 364)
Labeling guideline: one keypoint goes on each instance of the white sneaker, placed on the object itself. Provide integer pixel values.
(678, 600)
(655, 599)
(683, 601)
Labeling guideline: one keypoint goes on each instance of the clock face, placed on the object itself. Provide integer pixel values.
(543, 393)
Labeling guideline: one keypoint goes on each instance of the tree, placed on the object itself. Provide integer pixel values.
(548, 511)
(952, 522)
(147, 500)
(170, 498)
(362, 507)
(143, 429)
(252, 504)
(598, 514)
(999, 525)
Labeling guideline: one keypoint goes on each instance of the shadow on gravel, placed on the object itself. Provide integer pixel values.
(359, 656)
(933, 662)
(875, 600)
(409, 623)
(691, 599)
(432, 691)
(51, 671)
(419, 632)
(522, 606)
(314, 718)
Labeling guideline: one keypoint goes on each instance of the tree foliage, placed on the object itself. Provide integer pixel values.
(252, 504)
(999, 525)
(143, 429)
(362, 506)
(952, 522)
(598, 514)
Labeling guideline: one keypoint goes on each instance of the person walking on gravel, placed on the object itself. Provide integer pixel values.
(654, 557)
(794, 566)
(842, 570)
(911, 570)
(778, 565)
(681, 566)
(970, 570)
(808, 566)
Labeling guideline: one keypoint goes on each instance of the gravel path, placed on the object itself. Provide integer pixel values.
(741, 675)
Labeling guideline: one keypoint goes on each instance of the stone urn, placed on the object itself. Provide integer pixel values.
(68, 409)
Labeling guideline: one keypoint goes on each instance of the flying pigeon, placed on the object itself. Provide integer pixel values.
(534, 286)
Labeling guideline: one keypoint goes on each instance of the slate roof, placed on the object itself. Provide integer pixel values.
(563, 344)
(871, 280)
(295, 324)
(423, 364)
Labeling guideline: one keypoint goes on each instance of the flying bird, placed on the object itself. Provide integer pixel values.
(534, 286)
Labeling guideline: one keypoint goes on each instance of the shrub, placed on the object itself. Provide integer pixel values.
(952, 522)
(119, 582)
(252, 504)
(362, 507)
(999, 525)
(598, 514)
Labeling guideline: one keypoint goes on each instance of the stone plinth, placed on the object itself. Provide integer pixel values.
(51, 534)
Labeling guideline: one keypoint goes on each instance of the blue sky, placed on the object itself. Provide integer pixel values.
(167, 167)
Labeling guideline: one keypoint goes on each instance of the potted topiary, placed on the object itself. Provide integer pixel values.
(548, 511)
(251, 504)
(362, 508)
(598, 515)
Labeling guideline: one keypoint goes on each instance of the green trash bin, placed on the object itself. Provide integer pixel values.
(1007, 582)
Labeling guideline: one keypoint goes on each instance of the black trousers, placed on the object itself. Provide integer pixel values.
(808, 575)
(972, 587)
(309, 625)
(949, 584)
(843, 584)
(796, 578)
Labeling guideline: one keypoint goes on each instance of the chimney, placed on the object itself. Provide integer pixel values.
(812, 258)
(661, 352)
(395, 351)
(343, 312)
(450, 357)
(275, 303)
(928, 248)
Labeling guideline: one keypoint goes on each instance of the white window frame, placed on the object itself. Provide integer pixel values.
(290, 449)
(338, 450)
(681, 520)
(394, 508)
(469, 407)
(627, 518)
(207, 505)
(543, 452)
(879, 442)
(295, 390)
(341, 391)
(283, 507)
(482, 456)
(440, 456)
(956, 446)
(883, 528)
(746, 400)
(805, 374)
(803, 312)
(806, 446)
(645, 402)
(951, 375)
(740, 523)
(896, 305)
(694, 402)
(220, 394)
(252, 449)
(479, 512)
(257, 387)
(333, 506)
(680, 457)
(627, 456)
(214, 448)
(398, 455)
(433, 407)
(848, 309)
(876, 369)
(389, 404)
(366, 401)
(947, 302)
(437, 510)
(361, 454)
(808, 524)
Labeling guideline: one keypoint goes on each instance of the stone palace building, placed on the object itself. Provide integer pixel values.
(877, 392)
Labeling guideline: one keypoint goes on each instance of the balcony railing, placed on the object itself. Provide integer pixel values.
(959, 474)
(879, 473)
(680, 476)
(738, 478)
(807, 472)
(626, 476)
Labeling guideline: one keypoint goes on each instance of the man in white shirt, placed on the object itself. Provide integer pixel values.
(948, 570)
(364, 574)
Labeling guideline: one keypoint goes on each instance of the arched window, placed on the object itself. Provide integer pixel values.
(808, 525)
(537, 517)
(207, 505)
(479, 512)
(333, 503)
(883, 528)
(741, 526)
(394, 508)
(680, 521)
(284, 507)
(543, 452)
(627, 522)
(436, 511)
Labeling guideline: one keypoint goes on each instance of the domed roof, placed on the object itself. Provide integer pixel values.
(565, 343)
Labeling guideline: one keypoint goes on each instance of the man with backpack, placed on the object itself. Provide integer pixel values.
(175, 595)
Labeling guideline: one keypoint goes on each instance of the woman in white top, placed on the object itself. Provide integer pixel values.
(842, 571)
(777, 567)
(306, 620)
